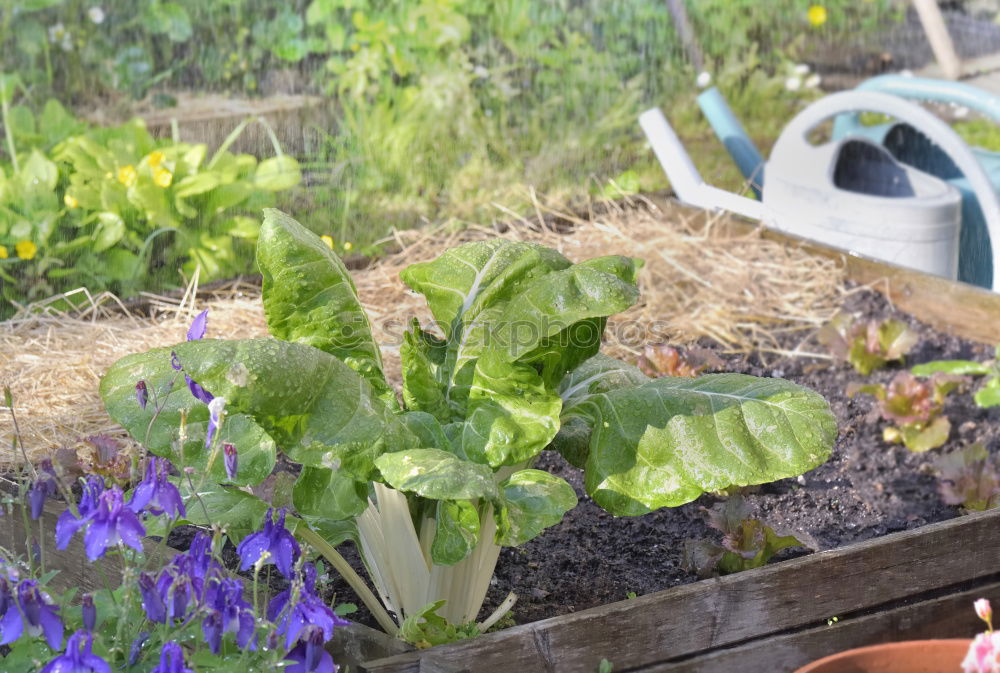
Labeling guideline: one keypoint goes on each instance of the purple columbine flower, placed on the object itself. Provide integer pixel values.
(310, 612)
(199, 556)
(229, 613)
(310, 655)
(156, 492)
(181, 584)
(43, 487)
(78, 657)
(171, 660)
(280, 602)
(135, 649)
(10, 616)
(152, 601)
(197, 331)
(142, 394)
(215, 409)
(39, 613)
(67, 524)
(89, 611)
(232, 460)
(297, 621)
(112, 522)
(274, 538)
(199, 326)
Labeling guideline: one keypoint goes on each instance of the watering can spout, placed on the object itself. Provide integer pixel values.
(684, 176)
(734, 137)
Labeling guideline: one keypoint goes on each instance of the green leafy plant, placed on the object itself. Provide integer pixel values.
(432, 488)
(112, 208)
(663, 360)
(867, 345)
(915, 407)
(746, 543)
(988, 394)
(970, 478)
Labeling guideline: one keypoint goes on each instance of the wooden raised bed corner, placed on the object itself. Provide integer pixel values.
(909, 585)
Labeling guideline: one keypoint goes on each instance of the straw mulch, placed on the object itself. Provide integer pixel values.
(700, 280)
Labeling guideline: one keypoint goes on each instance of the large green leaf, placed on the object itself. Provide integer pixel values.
(239, 512)
(513, 415)
(466, 288)
(599, 374)
(436, 474)
(318, 409)
(530, 502)
(513, 409)
(558, 320)
(309, 298)
(422, 355)
(427, 429)
(664, 443)
(157, 426)
(456, 533)
(466, 279)
(328, 494)
(277, 173)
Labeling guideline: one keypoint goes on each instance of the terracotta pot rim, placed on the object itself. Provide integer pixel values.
(897, 645)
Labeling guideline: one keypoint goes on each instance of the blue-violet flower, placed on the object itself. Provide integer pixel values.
(171, 660)
(156, 492)
(274, 538)
(39, 614)
(78, 657)
(229, 613)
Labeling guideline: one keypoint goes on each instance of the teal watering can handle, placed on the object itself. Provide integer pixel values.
(922, 88)
(797, 131)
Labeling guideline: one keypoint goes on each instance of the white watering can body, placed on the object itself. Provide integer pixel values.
(849, 193)
(852, 194)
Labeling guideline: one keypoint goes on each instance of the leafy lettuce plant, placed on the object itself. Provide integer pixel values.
(867, 345)
(915, 407)
(746, 543)
(988, 394)
(970, 478)
(431, 487)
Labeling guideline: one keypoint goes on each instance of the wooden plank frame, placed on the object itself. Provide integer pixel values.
(909, 585)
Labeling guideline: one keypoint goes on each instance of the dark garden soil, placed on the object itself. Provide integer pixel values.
(866, 489)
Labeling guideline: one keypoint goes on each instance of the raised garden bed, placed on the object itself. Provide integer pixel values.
(910, 584)
(907, 584)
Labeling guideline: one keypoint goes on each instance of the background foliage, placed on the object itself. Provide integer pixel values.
(435, 109)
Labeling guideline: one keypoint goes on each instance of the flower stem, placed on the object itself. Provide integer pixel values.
(341, 565)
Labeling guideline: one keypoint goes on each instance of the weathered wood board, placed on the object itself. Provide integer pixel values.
(759, 605)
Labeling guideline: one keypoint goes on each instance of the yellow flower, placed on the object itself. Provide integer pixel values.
(348, 246)
(328, 240)
(26, 249)
(162, 177)
(156, 158)
(70, 201)
(127, 175)
(817, 15)
(3, 252)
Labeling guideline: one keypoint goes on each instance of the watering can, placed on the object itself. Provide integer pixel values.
(911, 146)
(881, 185)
